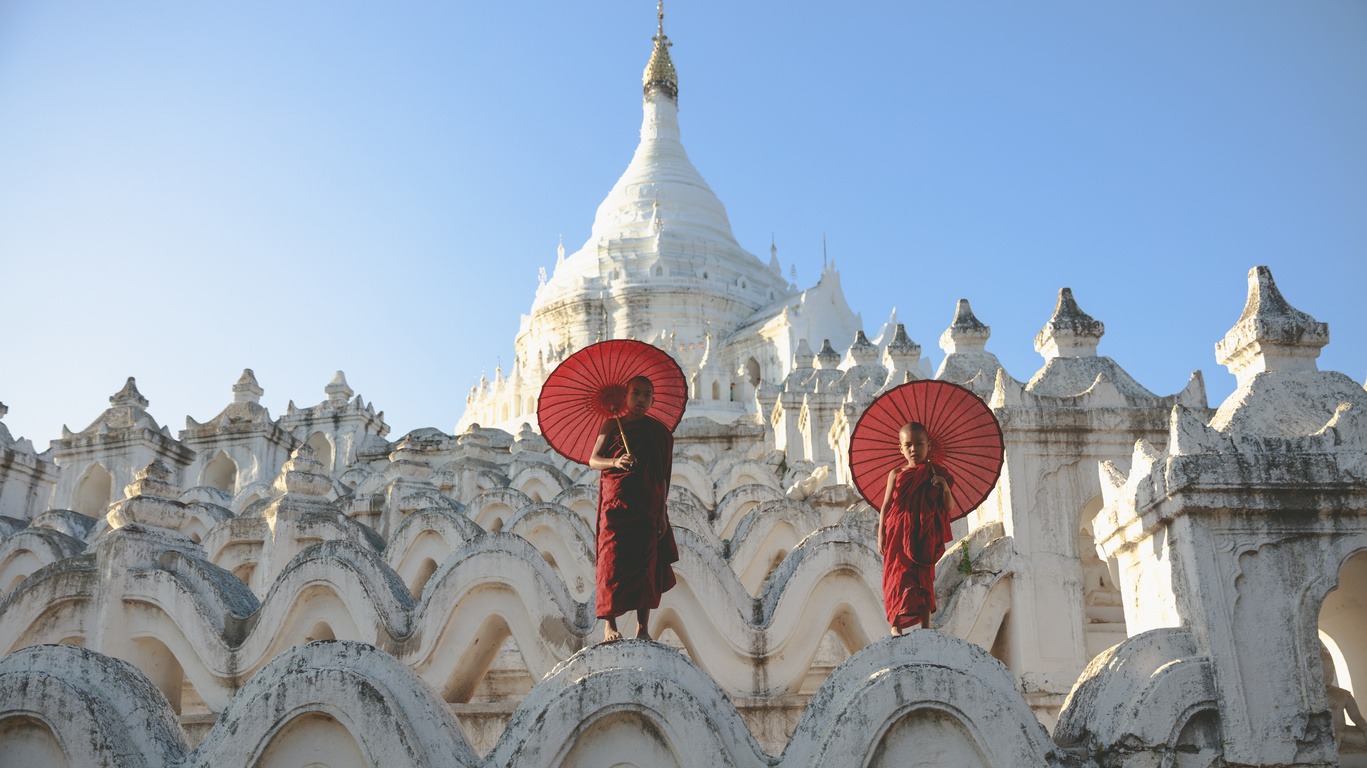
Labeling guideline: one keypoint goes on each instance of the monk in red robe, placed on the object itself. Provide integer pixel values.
(913, 528)
(635, 455)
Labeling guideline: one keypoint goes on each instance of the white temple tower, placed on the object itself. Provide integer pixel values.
(661, 265)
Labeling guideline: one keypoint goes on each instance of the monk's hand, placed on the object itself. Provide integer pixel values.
(625, 462)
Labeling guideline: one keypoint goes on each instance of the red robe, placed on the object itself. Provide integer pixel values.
(635, 543)
(915, 530)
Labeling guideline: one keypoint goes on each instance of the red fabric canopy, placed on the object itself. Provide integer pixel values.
(591, 385)
(965, 439)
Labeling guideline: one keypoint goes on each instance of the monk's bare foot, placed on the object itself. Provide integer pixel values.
(643, 633)
(896, 631)
(610, 634)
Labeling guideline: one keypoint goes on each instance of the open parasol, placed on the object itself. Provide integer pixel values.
(965, 440)
(591, 385)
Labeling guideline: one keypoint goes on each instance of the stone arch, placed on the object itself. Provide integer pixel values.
(323, 449)
(752, 373)
(351, 683)
(313, 738)
(470, 670)
(424, 574)
(100, 710)
(928, 737)
(868, 698)
(716, 390)
(1343, 621)
(659, 271)
(30, 741)
(496, 506)
(220, 473)
(154, 659)
(503, 410)
(1147, 690)
(632, 691)
(538, 483)
(320, 630)
(531, 404)
(1102, 604)
(622, 738)
(94, 490)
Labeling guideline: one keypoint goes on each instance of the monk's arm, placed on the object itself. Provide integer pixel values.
(599, 461)
(882, 510)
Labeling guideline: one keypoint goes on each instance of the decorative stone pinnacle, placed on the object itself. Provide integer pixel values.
(802, 356)
(862, 350)
(966, 332)
(4, 409)
(901, 344)
(337, 390)
(1270, 335)
(1070, 332)
(660, 72)
(129, 395)
(246, 390)
(155, 480)
(827, 357)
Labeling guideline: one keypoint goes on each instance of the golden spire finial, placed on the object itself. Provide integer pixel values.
(660, 70)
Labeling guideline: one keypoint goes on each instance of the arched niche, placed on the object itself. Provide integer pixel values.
(1102, 604)
(155, 660)
(423, 575)
(621, 739)
(29, 741)
(927, 738)
(312, 739)
(1342, 628)
(221, 473)
(752, 372)
(93, 491)
(322, 450)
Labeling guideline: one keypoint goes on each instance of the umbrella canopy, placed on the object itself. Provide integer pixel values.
(591, 385)
(965, 439)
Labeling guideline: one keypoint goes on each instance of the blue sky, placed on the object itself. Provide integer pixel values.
(188, 189)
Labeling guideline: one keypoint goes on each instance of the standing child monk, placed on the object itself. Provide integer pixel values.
(635, 543)
(913, 527)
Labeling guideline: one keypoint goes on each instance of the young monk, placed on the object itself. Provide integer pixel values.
(635, 543)
(913, 527)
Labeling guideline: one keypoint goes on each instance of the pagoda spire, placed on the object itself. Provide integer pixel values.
(660, 72)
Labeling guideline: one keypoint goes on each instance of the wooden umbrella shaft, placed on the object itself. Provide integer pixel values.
(625, 448)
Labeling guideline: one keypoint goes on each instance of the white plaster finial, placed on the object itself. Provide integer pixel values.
(1270, 335)
(827, 357)
(1070, 332)
(129, 395)
(965, 332)
(246, 390)
(337, 390)
(862, 351)
(803, 356)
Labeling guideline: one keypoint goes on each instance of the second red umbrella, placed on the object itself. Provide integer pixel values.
(965, 440)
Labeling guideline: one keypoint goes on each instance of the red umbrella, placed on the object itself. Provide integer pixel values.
(965, 440)
(591, 385)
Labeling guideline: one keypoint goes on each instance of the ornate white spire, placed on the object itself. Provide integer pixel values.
(660, 75)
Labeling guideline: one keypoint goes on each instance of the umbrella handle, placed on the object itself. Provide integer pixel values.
(626, 448)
